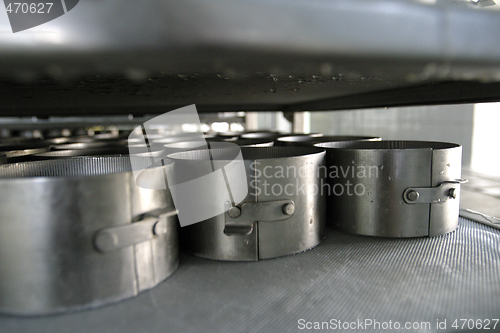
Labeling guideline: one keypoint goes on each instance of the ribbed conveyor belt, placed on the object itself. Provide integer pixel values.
(347, 277)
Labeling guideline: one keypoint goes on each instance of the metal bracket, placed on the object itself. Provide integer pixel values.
(240, 219)
(431, 195)
(115, 238)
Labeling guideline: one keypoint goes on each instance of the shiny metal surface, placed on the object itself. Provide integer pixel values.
(55, 141)
(282, 232)
(59, 154)
(242, 142)
(260, 135)
(52, 213)
(88, 145)
(374, 187)
(31, 142)
(227, 135)
(22, 155)
(301, 140)
(21, 150)
(85, 138)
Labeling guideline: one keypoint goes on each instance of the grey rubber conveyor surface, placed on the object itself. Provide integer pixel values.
(347, 277)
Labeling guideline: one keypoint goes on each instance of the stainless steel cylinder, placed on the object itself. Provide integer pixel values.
(283, 212)
(80, 233)
(301, 140)
(393, 188)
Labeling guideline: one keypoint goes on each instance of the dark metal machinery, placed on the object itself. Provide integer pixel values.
(118, 62)
(260, 55)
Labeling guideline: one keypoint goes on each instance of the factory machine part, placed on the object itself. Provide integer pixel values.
(81, 233)
(283, 213)
(393, 188)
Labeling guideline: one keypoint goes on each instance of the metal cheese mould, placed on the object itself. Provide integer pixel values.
(302, 140)
(80, 233)
(282, 214)
(393, 188)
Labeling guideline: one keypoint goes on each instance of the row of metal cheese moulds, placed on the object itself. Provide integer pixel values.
(78, 230)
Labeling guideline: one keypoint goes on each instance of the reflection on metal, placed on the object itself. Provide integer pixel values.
(393, 188)
(60, 154)
(90, 145)
(242, 142)
(81, 234)
(261, 135)
(310, 140)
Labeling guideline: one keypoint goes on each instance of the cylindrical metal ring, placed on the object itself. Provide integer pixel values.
(81, 232)
(393, 188)
(283, 212)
